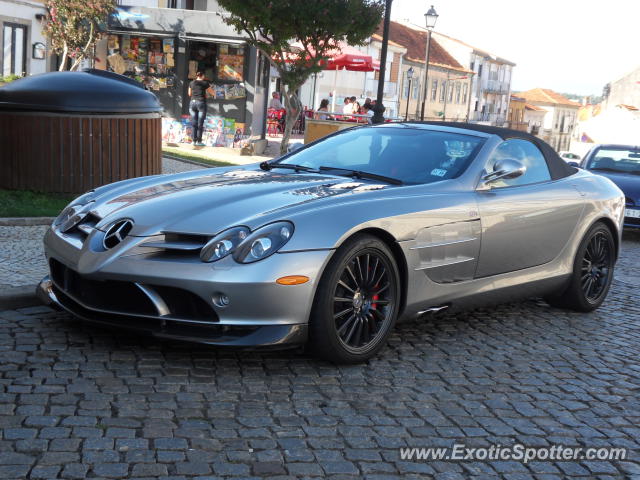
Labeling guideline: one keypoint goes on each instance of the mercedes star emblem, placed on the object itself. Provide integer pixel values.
(116, 233)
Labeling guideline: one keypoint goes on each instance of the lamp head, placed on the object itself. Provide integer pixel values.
(431, 17)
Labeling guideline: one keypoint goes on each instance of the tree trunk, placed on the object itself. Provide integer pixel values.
(292, 106)
(63, 61)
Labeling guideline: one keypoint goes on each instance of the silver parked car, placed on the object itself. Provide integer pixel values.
(331, 244)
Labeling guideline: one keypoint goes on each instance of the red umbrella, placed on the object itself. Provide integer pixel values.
(352, 59)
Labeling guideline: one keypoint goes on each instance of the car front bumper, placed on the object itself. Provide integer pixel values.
(180, 298)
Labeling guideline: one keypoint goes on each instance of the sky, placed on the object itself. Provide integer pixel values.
(570, 46)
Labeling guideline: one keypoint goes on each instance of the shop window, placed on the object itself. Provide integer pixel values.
(149, 60)
(14, 49)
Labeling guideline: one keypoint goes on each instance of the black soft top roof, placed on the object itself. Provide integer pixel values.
(558, 168)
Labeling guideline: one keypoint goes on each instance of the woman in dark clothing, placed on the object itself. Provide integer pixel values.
(198, 89)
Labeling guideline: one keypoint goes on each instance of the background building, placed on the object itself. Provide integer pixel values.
(559, 119)
(164, 47)
(22, 46)
(491, 84)
(448, 81)
(517, 108)
(624, 91)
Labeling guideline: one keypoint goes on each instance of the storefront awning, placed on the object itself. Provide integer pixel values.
(232, 41)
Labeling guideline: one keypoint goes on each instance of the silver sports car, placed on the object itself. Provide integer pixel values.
(332, 243)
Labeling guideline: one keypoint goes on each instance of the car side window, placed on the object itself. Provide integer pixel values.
(526, 153)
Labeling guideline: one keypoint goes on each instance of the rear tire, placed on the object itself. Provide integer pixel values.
(357, 302)
(592, 272)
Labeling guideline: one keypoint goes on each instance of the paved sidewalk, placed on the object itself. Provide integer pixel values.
(232, 155)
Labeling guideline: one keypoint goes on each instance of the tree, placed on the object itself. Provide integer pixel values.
(73, 27)
(298, 36)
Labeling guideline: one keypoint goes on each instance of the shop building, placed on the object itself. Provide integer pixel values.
(164, 48)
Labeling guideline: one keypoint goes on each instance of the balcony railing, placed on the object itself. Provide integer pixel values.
(493, 86)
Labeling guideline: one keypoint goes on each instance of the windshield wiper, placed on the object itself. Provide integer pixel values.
(348, 172)
(290, 166)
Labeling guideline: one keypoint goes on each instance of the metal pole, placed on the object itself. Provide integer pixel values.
(379, 108)
(426, 76)
(406, 114)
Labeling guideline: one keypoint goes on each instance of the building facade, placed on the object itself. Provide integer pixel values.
(23, 49)
(624, 91)
(559, 119)
(534, 118)
(448, 82)
(517, 108)
(491, 80)
(164, 48)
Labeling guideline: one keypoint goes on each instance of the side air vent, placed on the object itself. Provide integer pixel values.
(176, 243)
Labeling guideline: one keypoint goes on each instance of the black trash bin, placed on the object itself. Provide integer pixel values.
(73, 131)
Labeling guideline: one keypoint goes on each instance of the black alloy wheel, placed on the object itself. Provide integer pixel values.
(592, 272)
(596, 266)
(357, 302)
(363, 302)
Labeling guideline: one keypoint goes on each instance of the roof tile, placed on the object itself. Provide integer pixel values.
(415, 42)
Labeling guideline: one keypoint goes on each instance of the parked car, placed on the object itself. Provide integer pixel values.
(330, 244)
(620, 164)
(569, 157)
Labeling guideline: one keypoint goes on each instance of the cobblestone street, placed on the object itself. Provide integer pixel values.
(78, 401)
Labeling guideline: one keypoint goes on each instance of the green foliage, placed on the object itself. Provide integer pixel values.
(24, 203)
(73, 27)
(299, 35)
(180, 153)
(9, 78)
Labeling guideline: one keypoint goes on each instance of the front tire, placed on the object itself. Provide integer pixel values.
(592, 272)
(357, 302)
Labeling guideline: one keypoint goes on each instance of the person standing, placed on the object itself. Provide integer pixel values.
(198, 89)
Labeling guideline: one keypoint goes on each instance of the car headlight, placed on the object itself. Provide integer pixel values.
(74, 212)
(223, 244)
(264, 242)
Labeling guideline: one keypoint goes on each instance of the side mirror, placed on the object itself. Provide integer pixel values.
(503, 169)
(293, 147)
(574, 164)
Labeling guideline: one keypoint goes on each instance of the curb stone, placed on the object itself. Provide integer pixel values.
(25, 221)
(18, 297)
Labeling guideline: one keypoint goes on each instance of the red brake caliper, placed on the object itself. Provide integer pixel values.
(375, 305)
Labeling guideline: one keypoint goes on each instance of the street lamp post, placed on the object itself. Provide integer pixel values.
(409, 77)
(431, 17)
(378, 110)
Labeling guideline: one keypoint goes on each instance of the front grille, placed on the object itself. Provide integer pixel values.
(126, 298)
(109, 295)
(632, 221)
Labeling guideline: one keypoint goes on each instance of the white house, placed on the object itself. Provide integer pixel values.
(23, 48)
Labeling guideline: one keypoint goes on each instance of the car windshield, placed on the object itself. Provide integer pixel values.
(410, 155)
(616, 159)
